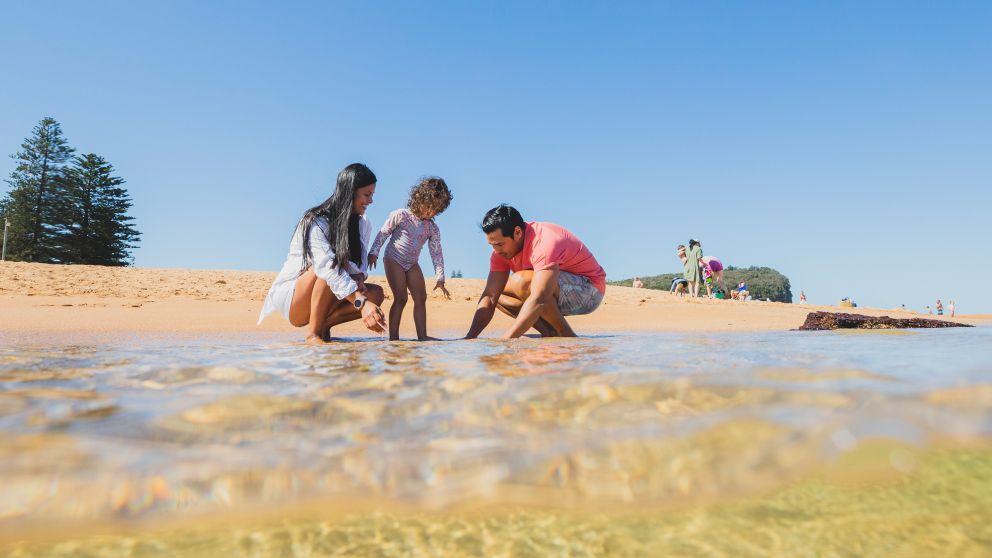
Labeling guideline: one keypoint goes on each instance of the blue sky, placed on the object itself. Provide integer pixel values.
(846, 144)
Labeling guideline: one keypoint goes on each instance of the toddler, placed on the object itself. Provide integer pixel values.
(407, 230)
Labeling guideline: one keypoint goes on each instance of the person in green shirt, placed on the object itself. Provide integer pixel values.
(692, 269)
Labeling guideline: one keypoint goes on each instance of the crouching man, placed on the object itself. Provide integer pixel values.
(553, 275)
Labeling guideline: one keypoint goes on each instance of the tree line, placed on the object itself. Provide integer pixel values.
(762, 282)
(66, 208)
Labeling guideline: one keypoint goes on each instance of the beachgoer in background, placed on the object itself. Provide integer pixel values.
(322, 283)
(692, 271)
(802, 297)
(929, 310)
(940, 308)
(740, 293)
(554, 275)
(679, 285)
(715, 268)
(407, 230)
(708, 282)
(638, 284)
(950, 308)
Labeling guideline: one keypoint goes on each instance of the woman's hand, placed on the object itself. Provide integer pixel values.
(440, 285)
(373, 259)
(373, 318)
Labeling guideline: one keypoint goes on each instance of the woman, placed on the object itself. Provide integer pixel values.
(715, 269)
(693, 273)
(322, 282)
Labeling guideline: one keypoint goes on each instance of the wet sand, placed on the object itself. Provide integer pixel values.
(41, 298)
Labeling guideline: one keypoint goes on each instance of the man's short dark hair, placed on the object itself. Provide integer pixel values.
(502, 217)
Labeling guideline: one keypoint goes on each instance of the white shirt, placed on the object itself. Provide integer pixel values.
(280, 295)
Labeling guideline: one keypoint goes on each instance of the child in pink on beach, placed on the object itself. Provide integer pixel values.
(407, 230)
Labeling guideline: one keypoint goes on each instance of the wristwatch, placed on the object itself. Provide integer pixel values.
(359, 302)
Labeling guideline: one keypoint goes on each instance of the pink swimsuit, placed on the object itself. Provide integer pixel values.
(711, 263)
(407, 234)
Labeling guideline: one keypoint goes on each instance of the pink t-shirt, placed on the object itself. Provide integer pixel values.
(547, 244)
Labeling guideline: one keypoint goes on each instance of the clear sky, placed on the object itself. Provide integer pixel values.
(846, 144)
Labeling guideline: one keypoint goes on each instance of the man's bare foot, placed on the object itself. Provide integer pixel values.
(326, 334)
(314, 340)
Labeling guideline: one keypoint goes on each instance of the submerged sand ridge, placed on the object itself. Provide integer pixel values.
(88, 299)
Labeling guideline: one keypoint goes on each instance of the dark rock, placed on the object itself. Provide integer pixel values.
(817, 321)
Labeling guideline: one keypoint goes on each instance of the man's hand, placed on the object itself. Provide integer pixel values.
(440, 285)
(373, 259)
(484, 311)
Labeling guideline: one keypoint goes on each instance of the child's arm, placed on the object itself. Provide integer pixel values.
(437, 258)
(387, 229)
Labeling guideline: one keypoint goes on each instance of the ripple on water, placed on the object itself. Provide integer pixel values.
(137, 430)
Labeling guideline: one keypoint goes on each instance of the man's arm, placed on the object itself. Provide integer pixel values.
(487, 302)
(542, 290)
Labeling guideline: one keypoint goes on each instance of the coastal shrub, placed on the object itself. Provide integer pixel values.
(762, 282)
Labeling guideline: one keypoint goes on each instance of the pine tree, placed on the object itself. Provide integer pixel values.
(34, 204)
(101, 232)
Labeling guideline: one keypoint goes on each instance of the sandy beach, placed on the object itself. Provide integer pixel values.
(42, 298)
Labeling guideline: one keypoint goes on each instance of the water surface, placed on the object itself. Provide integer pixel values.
(784, 442)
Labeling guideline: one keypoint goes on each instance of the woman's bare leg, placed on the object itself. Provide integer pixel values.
(396, 277)
(346, 311)
(418, 291)
(718, 277)
(311, 298)
(299, 309)
(314, 298)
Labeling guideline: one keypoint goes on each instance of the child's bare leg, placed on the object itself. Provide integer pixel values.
(418, 290)
(397, 279)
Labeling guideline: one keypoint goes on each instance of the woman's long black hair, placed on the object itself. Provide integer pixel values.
(337, 210)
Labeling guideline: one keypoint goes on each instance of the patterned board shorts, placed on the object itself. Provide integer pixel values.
(577, 295)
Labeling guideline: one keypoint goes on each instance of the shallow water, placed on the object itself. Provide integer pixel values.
(792, 443)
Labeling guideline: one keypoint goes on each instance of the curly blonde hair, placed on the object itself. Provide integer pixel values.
(430, 196)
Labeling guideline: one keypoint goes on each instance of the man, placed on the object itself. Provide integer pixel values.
(554, 275)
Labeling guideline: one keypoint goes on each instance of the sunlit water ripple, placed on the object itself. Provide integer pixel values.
(141, 427)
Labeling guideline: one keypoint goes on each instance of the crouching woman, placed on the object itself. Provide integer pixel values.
(322, 282)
